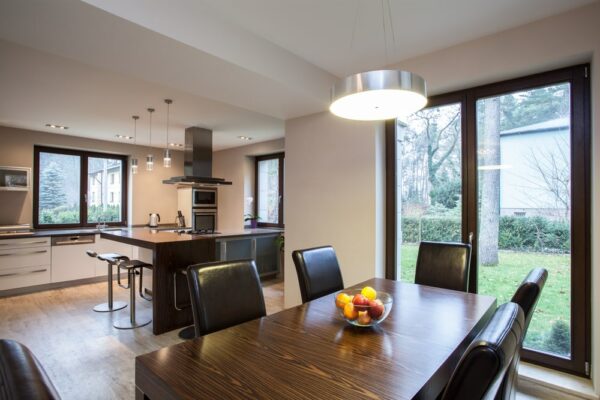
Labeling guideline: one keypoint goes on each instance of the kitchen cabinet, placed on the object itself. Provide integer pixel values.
(263, 249)
(69, 259)
(24, 262)
(15, 178)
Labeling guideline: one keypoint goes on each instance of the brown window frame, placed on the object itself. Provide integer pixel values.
(579, 79)
(257, 160)
(83, 186)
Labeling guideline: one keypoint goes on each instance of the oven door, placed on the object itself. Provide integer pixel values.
(204, 198)
(204, 219)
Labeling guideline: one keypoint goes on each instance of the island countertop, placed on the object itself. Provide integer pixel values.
(150, 238)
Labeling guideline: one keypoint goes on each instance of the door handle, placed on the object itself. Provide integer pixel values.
(23, 273)
(22, 243)
(23, 254)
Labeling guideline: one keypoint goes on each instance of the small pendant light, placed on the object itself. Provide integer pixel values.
(150, 157)
(134, 160)
(167, 156)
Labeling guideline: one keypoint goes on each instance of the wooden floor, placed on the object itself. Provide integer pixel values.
(86, 357)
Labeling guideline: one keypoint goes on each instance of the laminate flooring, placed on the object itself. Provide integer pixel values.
(84, 355)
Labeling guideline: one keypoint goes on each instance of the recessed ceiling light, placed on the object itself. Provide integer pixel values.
(57, 126)
(175, 144)
(124, 137)
(244, 137)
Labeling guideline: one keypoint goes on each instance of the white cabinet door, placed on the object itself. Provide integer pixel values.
(71, 262)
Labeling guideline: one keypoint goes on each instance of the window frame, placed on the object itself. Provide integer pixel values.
(83, 186)
(578, 77)
(275, 156)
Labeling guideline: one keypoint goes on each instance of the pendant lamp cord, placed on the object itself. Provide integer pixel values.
(354, 26)
(385, 47)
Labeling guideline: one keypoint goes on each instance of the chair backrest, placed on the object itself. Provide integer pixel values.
(484, 364)
(526, 296)
(91, 253)
(21, 374)
(444, 265)
(318, 272)
(528, 293)
(224, 294)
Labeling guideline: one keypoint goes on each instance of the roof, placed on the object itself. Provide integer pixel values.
(550, 125)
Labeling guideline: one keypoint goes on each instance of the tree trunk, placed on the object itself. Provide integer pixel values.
(490, 184)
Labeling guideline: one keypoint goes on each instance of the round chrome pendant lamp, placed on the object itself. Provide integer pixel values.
(379, 95)
(150, 157)
(134, 160)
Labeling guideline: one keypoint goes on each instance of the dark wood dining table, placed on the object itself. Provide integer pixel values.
(310, 352)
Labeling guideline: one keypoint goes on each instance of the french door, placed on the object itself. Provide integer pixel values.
(507, 167)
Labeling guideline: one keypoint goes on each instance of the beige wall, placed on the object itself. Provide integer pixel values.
(237, 165)
(563, 40)
(147, 193)
(334, 195)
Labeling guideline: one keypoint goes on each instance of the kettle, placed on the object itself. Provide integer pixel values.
(154, 220)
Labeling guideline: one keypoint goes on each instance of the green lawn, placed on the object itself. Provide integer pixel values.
(549, 329)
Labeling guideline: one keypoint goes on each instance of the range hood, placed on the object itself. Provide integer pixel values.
(197, 165)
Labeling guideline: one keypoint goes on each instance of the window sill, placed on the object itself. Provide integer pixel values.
(548, 383)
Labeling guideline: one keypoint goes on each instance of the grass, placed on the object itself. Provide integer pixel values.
(501, 282)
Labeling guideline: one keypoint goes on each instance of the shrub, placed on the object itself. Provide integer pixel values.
(559, 340)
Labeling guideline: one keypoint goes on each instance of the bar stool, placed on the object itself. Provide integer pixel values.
(112, 259)
(188, 332)
(132, 267)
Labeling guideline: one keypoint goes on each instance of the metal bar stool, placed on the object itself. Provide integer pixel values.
(188, 332)
(132, 267)
(111, 259)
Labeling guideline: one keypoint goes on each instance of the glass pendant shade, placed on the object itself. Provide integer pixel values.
(378, 95)
(167, 159)
(134, 165)
(149, 162)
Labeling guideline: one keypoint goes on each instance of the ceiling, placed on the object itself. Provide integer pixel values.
(238, 67)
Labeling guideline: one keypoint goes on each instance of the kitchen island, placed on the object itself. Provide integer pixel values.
(173, 252)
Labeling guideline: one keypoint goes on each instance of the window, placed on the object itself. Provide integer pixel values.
(269, 190)
(112, 178)
(507, 169)
(71, 188)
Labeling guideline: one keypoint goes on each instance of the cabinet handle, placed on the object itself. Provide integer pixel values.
(22, 243)
(24, 273)
(24, 254)
(73, 241)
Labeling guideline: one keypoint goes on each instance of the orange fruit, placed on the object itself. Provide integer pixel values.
(369, 293)
(364, 318)
(349, 312)
(342, 299)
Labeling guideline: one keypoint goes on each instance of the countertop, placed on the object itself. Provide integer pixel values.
(159, 235)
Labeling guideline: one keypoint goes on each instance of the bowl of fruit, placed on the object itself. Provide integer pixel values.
(363, 307)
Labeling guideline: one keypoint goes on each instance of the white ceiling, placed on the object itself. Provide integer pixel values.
(239, 67)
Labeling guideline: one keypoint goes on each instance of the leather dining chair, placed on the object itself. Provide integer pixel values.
(527, 295)
(21, 374)
(483, 366)
(318, 272)
(224, 294)
(443, 264)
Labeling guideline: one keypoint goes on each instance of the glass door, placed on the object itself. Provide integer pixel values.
(429, 181)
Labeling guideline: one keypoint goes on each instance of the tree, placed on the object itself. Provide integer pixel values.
(490, 183)
(52, 193)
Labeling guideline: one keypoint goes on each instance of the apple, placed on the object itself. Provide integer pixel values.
(350, 312)
(361, 303)
(376, 309)
(364, 318)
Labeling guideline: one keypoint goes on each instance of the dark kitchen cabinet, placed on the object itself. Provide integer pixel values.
(263, 249)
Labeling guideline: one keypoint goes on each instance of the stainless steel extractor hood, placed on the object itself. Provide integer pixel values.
(197, 161)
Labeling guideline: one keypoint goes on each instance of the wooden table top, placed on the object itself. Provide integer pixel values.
(309, 352)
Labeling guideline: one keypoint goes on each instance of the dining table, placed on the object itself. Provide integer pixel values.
(311, 352)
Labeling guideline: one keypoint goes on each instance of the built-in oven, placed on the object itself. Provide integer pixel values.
(204, 219)
(204, 197)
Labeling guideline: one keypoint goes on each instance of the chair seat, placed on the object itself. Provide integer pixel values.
(112, 257)
(131, 264)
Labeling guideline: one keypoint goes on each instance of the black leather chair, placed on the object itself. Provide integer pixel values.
(224, 294)
(484, 364)
(318, 272)
(21, 374)
(444, 265)
(526, 296)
